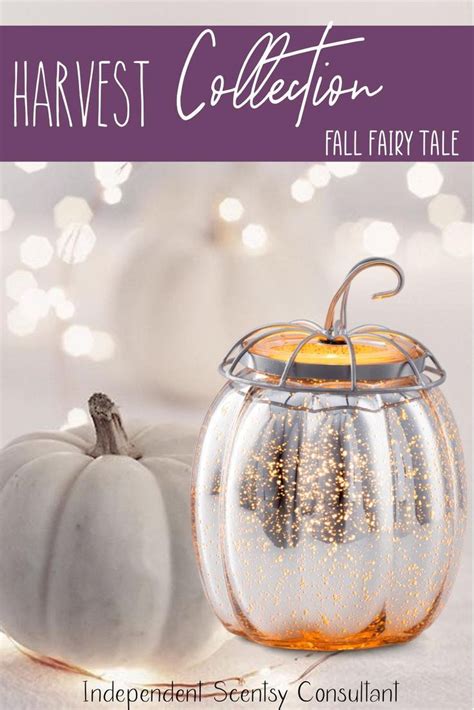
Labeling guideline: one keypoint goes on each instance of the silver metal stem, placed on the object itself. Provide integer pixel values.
(343, 292)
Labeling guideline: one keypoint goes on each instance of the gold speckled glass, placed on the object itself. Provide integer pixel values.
(328, 519)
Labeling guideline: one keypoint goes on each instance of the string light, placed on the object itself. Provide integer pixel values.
(255, 238)
(7, 215)
(381, 238)
(31, 167)
(112, 173)
(75, 243)
(77, 340)
(71, 209)
(112, 195)
(18, 282)
(302, 190)
(36, 252)
(458, 239)
(129, 676)
(342, 170)
(319, 175)
(231, 209)
(424, 179)
(444, 209)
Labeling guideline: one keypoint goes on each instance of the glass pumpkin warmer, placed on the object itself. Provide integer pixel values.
(328, 494)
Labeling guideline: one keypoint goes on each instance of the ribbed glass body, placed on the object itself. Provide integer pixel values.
(328, 521)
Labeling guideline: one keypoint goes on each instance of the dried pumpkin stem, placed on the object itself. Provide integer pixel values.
(111, 436)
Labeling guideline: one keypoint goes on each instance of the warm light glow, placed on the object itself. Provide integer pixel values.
(302, 190)
(255, 238)
(444, 209)
(381, 238)
(231, 209)
(458, 239)
(72, 209)
(75, 417)
(75, 243)
(31, 167)
(34, 304)
(36, 252)
(20, 323)
(424, 179)
(103, 346)
(18, 282)
(342, 170)
(65, 310)
(113, 173)
(112, 195)
(319, 175)
(318, 352)
(77, 340)
(7, 215)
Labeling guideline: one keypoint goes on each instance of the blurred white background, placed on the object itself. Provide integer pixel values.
(136, 279)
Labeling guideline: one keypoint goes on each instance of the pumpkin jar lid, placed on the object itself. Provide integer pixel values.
(302, 354)
(378, 355)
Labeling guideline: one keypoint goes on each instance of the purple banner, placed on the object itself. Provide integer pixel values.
(236, 93)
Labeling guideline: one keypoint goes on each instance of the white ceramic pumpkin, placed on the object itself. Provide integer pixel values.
(96, 561)
(179, 304)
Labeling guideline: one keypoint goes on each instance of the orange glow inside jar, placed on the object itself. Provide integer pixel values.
(368, 350)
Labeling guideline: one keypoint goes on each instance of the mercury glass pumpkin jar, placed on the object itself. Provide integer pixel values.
(328, 494)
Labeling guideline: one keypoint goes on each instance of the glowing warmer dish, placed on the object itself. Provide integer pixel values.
(328, 492)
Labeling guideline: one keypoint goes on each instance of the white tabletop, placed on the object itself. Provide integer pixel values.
(434, 671)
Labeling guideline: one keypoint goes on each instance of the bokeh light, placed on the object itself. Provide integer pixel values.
(381, 238)
(7, 215)
(319, 175)
(424, 179)
(342, 170)
(34, 304)
(71, 209)
(31, 167)
(18, 282)
(75, 417)
(19, 323)
(77, 340)
(458, 239)
(302, 190)
(255, 238)
(65, 310)
(112, 173)
(55, 295)
(103, 346)
(36, 252)
(75, 243)
(444, 209)
(112, 195)
(231, 209)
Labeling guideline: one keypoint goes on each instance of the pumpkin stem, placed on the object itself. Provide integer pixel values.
(111, 436)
